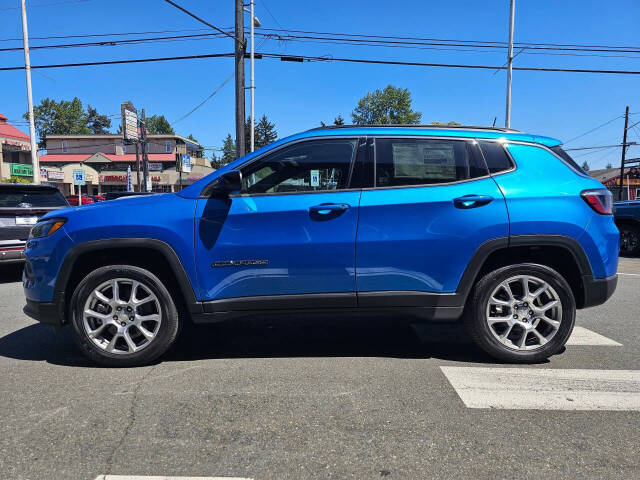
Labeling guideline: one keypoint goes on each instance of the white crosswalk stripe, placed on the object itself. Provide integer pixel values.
(145, 477)
(546, 389)
(584, 336)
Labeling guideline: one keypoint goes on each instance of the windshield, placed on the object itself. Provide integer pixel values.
(31, 198)
(567, 158)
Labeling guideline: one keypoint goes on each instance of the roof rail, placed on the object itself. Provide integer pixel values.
(437, 127)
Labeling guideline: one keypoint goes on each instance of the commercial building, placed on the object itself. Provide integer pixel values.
(15, 152)
(610, 178)
(105, 159)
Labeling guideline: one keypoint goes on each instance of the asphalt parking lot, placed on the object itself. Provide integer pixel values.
(324, 398)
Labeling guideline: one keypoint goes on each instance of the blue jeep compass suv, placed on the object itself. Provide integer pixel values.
(490, 226)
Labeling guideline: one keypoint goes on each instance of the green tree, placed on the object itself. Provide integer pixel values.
(389, 106)
(228, 150)
(338, 120)
(585, 166)
(609, 165)
(59, 118)
(159, 125)
(98, 124)
(265, 132)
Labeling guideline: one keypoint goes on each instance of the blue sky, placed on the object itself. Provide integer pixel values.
(298, 96)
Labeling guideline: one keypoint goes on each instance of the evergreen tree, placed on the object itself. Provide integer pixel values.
(228, 150)
(585, 166)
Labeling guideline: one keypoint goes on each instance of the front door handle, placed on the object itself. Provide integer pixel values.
(472, 201)
(325, 208)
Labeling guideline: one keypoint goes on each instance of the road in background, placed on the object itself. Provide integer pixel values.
(324, 398)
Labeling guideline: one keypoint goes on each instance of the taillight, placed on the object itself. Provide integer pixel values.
(600, 200)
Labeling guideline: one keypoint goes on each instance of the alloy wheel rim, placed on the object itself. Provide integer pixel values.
(122, 316)
(524, 313)
(629, 241)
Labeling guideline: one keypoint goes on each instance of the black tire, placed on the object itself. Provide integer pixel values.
(165, 335)
(476, 311)
(629, 240)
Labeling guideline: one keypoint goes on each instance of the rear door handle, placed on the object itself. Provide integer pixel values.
(472, 201)
(325, 208)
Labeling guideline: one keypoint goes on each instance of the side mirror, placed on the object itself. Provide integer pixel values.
(227, 183)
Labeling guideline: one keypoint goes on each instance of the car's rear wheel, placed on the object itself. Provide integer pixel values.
(123, 316)
(521, 313)
(629, 240)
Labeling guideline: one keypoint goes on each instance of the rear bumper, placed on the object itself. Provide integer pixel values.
(598, 290)
(12, 253)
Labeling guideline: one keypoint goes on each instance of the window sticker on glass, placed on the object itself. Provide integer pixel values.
(427, 160)
(315, 178)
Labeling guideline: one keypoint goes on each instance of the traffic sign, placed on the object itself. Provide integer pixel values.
(78, 177)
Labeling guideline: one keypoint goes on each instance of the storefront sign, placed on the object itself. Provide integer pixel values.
(55, 175)
(123, 178)
(155, 166)
(129, 122)
(43, 174)
(185, 164)
(21, 170)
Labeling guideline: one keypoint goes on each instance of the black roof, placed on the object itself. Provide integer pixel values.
(438, 127)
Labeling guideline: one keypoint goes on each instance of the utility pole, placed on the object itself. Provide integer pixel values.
(138, 165)
(145, 151)
(624, 151)
(239, 49)
(507, 116)
(27, 69)
(253, 85)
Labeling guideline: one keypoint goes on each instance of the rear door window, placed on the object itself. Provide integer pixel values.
(417, 161)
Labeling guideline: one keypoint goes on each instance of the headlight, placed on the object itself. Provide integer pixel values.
(46, 227)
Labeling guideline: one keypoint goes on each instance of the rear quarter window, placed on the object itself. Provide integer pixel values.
(496, 157)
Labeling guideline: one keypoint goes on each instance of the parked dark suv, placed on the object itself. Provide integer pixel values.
(21, 206)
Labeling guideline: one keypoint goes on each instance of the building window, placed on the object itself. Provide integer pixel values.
(167, 146)
(65, 146)
(124, 147)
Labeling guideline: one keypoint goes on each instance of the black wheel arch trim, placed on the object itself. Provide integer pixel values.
(109, 244)
(476, 263)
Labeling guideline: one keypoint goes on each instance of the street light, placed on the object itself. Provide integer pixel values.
(254, 23)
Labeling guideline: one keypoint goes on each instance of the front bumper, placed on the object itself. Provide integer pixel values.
(43, 312)
(598, 290)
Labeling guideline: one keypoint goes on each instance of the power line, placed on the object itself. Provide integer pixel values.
(228, 79)
(199, 19)
(342, 40)
(305, 58)
(594, 129)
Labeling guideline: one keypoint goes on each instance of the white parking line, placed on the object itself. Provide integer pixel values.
(630, 274)
(584, 336)
(545, 389)
(145, 477)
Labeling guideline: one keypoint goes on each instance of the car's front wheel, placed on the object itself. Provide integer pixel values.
(521, 313)
(123, 316)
